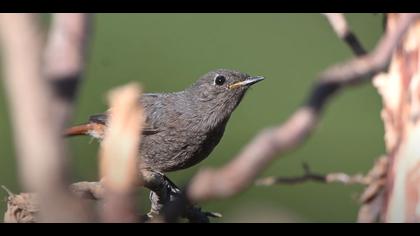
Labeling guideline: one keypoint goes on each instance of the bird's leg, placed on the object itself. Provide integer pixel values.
(162, 192)
(165, 196)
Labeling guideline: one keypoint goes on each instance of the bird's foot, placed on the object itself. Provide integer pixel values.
(167, 199)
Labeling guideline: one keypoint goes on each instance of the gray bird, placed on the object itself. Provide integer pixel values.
(182, 128)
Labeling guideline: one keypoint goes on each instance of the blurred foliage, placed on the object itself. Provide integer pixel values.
(167, 52)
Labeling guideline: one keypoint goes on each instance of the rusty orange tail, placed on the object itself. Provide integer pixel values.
(77, 130)
(94, 129)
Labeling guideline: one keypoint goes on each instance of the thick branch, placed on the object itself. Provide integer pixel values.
(65, 57)
(240, 173)
(40, 149)
(118, 153)
(399, 89)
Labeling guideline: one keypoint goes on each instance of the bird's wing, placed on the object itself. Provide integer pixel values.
(101, 118)
(149, 128)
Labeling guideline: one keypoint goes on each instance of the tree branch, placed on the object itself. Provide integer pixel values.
(40, 149)
(119, 155)
(311, 176)
(65, 57)
(339, 24)
(399, 89)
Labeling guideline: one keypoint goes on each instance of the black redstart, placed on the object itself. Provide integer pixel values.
(182, 128)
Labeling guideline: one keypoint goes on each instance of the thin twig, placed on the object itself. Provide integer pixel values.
(8, 191)
(311, 176)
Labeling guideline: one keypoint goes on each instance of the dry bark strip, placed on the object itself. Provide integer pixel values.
(400, 91)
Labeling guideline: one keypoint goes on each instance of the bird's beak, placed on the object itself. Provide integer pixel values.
(248, 82)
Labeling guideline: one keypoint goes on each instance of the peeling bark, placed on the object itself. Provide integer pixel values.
(400, 92)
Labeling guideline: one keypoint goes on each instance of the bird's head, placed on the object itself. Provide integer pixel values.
(222, 90)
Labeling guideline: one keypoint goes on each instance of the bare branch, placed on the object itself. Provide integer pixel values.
(119, 152)
(40, 149)
(239, 173)
(310, 176)
(339, 24)
(65, 57)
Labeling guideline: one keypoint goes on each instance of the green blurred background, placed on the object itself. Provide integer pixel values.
(167, 52)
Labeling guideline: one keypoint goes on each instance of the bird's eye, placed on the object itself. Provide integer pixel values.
(219, 80)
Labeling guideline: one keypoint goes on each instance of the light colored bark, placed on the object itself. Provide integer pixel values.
(400, 92)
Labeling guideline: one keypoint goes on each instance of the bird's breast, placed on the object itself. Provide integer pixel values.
(180, 148)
